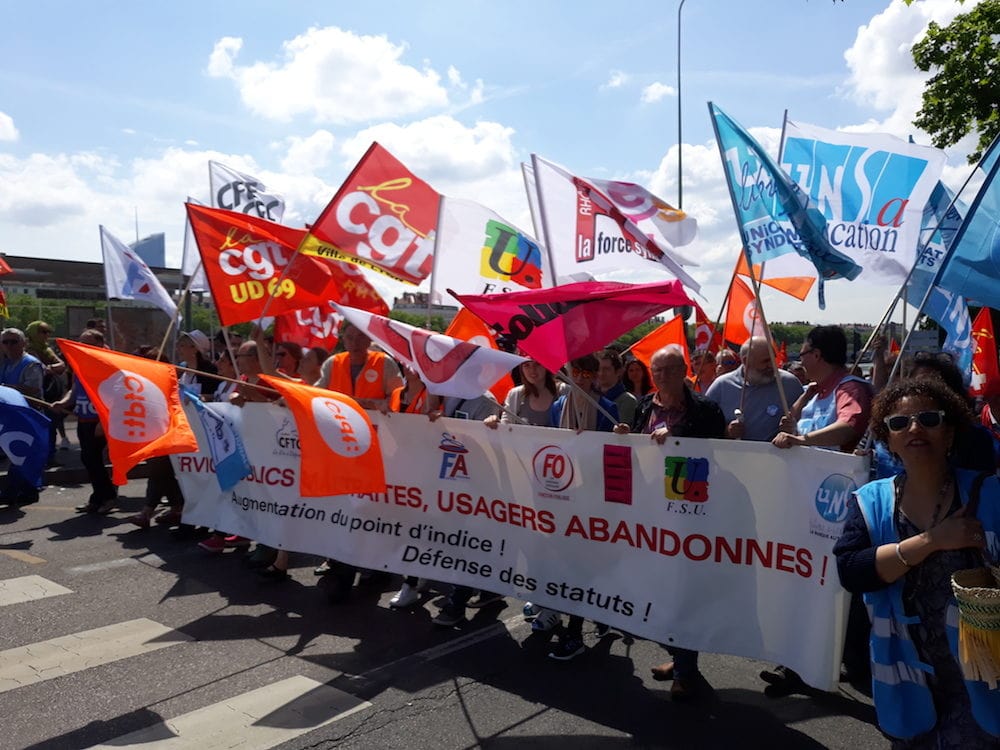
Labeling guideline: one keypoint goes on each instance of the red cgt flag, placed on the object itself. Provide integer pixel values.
(671, 332)
(309, 327)
(985, 373)
(340, 448)
(136, 400)
(383, 217)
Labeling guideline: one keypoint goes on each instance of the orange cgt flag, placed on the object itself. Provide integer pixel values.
(136, 400)
(468, 327)
(985, 372)
(671, 332)
(741, 314)
(340, 448)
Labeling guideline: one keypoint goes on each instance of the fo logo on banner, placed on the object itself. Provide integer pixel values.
(553, 468)
(453, 461)
(832, 497)
(343, 428)
(137, 408)
(685, 479)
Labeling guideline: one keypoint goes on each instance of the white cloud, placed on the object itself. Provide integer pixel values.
(616, 80)
(7, 130)
(308, 155)
(656, 91)
(337, 77)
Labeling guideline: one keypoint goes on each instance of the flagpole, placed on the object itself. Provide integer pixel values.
(767, 335)
(725, 302)
(107, 294)
(577, 389)
(545, 223)
(538, 229)
(434, 259)
(186, 291)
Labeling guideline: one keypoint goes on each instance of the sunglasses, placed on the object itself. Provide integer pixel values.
(928, 419)
(576, 372)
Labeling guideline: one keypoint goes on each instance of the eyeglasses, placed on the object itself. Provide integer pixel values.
(804, 352)
(10, 342)
(576, 372)
(928, 419)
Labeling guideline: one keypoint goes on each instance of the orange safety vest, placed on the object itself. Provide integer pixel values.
(370, 382)
(414, 407)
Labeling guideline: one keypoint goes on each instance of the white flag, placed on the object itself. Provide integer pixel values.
(235, 191)
(586, 232)
(191, 266)
(447, 366)
(870, 187)
(128, 277)
(478, 252)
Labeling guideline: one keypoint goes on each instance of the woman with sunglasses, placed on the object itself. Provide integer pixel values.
(903, 538)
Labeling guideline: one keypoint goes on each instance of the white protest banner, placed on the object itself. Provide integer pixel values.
(707, 544)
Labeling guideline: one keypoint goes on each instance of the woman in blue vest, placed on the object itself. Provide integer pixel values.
(903, 538)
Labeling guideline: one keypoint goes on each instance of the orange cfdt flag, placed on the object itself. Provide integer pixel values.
(340, 452)
(671, 332)
(741, 314)
(137, 402)
(706, 337)
(468, 327)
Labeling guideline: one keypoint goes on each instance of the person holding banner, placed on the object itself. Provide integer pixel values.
(903, 538)
(674, 409)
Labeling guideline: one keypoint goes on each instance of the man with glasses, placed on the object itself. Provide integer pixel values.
(23, 373)
(609, 381)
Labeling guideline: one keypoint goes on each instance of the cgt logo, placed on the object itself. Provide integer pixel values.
(453, 460)
(553, 468)
(510, 256)
(832, 497)
(685, 479)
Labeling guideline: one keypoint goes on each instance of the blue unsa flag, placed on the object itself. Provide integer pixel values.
(24, 436)
(773, 213)
(224, 442)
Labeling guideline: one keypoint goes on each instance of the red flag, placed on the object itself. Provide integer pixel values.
(706, 336)
(309, 327)
(136, 400)
(4, 310)
(781, 356)
(671, 332)
(557, 324)
(468, 327)
(4, 268)
(383, 217)
(339, 445)
(796, 286)
(893, 346)
(741, 314)
(985, 372)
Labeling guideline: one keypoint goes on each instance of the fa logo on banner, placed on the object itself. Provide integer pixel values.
(453, 460)
(685, 479)
(553, 468)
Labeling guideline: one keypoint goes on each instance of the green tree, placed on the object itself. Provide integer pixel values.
(963, 94)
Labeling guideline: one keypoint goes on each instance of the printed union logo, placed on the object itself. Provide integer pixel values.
(685, 479)
(453, 464)
(137, 409)
(508, 254)
(553, 468)
(287, 439)
(832, 497)
(343, 428)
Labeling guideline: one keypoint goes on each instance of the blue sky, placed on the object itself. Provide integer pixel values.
(111, 108)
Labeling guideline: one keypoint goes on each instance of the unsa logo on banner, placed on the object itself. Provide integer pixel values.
(832, 497)
(137, 408)
(343, 428)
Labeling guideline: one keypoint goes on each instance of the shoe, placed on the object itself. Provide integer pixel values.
(214, 543)
(140, 520)
(775, 676)
(26, 499)
(449, 616)
(234, 540)
(107, 507)
(337, 588)
(782, 682)
(169, 518)
(484, 599)
(423, 585)
(663, 672)
(545, 620)
(530, 611)
(324, 568)
(261, 557)
(405, 597)
(272, 574)
(87, 508)
(602, 629)
(567, 648)
(682, 690)
(64, 444)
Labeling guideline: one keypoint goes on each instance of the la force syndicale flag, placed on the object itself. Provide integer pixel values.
(339, 445)
(383, 218)
(553, 326)
(137, 401)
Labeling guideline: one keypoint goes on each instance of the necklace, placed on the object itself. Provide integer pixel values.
(942, 495)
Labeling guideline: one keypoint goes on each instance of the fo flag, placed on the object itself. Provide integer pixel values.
(235, 191)
(136, 400)
(339, 445)
(24, 436)
(229, 455)
(383, 217)
(985, 371)
(127, 276)
(447, 366)
(555, 325)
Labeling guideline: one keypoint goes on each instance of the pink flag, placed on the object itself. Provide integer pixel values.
(447, 366)
(553, 326)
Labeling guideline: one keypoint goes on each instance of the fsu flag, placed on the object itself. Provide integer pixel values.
(309, 327)
(383, 217)
(985, 373)
(671, 332)
(706, 336)
(339, 445)
(447, 366)
(742, 316)
(127, 276)
(467, 327)
(136, 400)
(555, 325)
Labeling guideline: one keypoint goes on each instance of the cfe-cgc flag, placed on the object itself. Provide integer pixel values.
(229, 455)
(24, 436)
(235, 191)
(553, 326)
(136, 400)
(447, 366)
(383, 217)
(127, 276)
(339, 445)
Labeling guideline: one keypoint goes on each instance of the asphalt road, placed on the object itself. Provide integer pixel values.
(123, 637)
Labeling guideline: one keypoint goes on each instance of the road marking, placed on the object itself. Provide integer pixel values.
(23, 556)
(258, 719)
(106, 565)
(28, 589)
(67, 654)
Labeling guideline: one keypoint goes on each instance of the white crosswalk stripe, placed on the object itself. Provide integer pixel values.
(29, 589)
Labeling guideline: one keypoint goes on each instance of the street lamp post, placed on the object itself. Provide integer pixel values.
(680, 139)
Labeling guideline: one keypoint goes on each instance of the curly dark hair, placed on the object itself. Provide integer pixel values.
(956, 410)
(944, 367)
